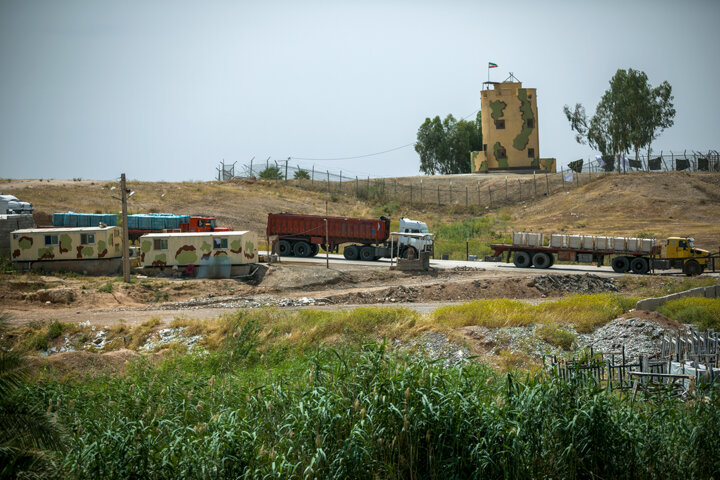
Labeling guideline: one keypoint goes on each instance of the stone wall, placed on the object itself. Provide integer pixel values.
(651, 304)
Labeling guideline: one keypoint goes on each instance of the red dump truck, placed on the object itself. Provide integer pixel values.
(303, 235)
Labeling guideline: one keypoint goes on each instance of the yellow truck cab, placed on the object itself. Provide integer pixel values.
(681, 253)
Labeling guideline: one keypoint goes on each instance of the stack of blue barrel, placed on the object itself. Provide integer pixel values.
(157, 221)
(72, 219)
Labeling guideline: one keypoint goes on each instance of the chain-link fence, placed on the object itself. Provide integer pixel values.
(489, 190)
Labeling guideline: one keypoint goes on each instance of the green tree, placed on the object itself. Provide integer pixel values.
(26, 431)
(444, 146)
(272, 172)
(630, 114)
(301, 174)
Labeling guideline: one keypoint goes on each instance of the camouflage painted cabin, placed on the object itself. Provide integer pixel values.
(65, 243)
(198, 248)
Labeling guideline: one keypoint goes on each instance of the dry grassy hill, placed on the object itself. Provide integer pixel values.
(659, 204)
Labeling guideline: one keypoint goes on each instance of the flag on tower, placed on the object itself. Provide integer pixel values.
(492, 65)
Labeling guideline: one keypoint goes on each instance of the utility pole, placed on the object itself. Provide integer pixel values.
(126, 240)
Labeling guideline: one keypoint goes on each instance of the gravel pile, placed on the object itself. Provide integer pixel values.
(587, 283)
(170, 335)
(233, 302)
(640, 337)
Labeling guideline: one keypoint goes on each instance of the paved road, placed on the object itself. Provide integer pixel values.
(508, 268)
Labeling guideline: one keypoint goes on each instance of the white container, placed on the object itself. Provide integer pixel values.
(535, 239)
(619, 244)
(574, 241)
(633, 244)
(558, 241)
(519, 238)
(587, 242)
(602, 243)
(647, 244)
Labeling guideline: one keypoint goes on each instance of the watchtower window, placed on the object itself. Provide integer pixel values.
(500, 124)
(530, 122)
(531, 153)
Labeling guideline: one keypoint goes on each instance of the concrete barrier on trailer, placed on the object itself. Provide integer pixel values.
(652, 304)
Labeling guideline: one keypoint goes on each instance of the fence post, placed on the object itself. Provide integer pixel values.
(286, 165)
(547, 185)
(251, 170)
(562, 175)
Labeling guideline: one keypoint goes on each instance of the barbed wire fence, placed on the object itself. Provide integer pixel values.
(466, 190)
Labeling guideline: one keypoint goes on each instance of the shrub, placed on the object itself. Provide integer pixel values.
(272, 172)
(702, 312)
(555, 335)
(301, 175)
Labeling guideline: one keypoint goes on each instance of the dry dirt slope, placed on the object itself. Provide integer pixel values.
(664, 204)
(659, 204)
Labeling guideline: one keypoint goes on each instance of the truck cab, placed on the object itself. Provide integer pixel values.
(681, 252)
(413, 226)
(202, 224)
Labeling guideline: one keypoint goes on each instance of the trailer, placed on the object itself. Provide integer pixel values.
(639, 255)
(304, 235)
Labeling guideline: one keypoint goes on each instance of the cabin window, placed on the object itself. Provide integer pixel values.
(160, 244)
(219, 243)
(683, 244)
(87, 238)
(51, 239)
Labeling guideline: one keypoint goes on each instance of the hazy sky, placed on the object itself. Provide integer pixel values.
(164, 90)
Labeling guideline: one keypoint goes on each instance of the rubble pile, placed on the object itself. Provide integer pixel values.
(170, 335)
(640, 337)
(587, 283)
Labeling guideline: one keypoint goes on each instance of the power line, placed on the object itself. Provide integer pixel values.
(352, 158)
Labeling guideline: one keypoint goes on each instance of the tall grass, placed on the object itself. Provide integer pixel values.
(480, 232)
(585, 312)
(361, 413)
(701, 312)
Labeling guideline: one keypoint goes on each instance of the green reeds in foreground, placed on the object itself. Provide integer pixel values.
(361, 413)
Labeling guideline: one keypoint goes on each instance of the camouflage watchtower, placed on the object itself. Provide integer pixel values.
(510, 130)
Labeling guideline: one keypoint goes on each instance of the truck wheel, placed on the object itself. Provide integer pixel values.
(410, 252)
(541, 260)
(314, 249)
(284, 248)
(521, 259)
(367, 254)
(639, 265)
(351, 252)
(692, 268)
(620, 264)
(301, 249)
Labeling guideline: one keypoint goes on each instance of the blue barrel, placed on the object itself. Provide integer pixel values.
(58, 219)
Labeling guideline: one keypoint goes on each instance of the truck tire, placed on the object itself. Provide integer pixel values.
(521, 259)
(367, 254)
(351, 252)
(284, 248)
(639, 265)
(314, 249)
(301, 249)
(692, 268)
(620, 264)
(541, 260)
